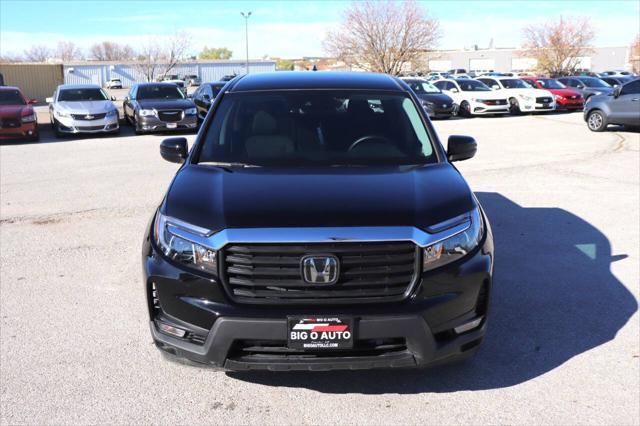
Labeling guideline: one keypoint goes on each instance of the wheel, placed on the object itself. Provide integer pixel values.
(465, 109)
(596, 121)
(514, 106)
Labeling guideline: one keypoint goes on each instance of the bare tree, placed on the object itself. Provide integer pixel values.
(10, 58)
(383, 36)
(38, 53)
(111, 51)
(68, 51)
(157, 60)
(558, 45)
(634, 57)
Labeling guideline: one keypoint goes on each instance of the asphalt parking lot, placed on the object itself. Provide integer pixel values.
(562, 345)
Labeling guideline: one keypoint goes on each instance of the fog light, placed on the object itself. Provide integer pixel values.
(169, 329)
(468, 326)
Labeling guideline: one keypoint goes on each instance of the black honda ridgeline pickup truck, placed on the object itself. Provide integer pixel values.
(317, 223)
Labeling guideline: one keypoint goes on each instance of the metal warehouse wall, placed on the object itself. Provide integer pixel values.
(129, 74)
(37, 81)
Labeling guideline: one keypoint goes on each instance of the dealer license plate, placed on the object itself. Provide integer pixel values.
(319, 333)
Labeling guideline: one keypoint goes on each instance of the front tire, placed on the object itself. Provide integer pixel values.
(465, 109)
(596, 121)
(514, 106)
(56, 130)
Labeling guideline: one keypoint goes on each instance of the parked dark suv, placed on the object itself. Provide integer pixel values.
(318, 223)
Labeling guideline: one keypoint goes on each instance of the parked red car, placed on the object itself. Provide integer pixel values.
(18, 120)
(566, 98)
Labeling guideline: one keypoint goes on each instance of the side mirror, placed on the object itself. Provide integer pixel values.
(33, 101)
(126, 98)
(49, 100)
(174, 150)
(454, 90)
(461, 147)
(495, 87)
(616, 91)
(113, 98)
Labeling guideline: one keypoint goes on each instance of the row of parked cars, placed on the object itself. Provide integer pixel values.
(496, 94)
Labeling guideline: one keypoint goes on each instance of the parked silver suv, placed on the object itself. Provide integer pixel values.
(82, 108)
(621, 106)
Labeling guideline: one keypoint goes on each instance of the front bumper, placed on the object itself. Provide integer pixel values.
(73, 126)
(23, 131)
(570, 104)
(236, 336)
(478, 108)
(434, 112)
(154, 124)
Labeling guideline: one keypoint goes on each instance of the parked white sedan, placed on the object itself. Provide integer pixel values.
(521, 96)
(473, 97)
(82, 108)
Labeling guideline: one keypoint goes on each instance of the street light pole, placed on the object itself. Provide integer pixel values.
(246, 34)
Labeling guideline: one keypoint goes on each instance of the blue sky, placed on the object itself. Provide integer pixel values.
(285, 28)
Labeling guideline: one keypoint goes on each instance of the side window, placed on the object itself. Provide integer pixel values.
(207, 91)
(132, 92)
(632, 88)
(485, 81)
(196, 93)
(418, 127)
(451, 85)
(440, 85)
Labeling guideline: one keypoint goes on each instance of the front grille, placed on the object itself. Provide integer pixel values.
(88, 117)
(262, 350)
(170, 116)
(495, 102)
(9, 123)
(543, 100)
(271, 273)
(89, 128)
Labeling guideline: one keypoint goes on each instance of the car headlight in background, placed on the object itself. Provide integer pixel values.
(29, 118)
(181, 250)
(558, 97)
(457, 246)
(190, 111)
(59, 113)
(526, 98)
(146, 112)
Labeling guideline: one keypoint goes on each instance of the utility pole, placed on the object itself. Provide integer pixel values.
(246, 34)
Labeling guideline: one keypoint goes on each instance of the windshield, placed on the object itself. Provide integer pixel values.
(514, 83)
(421, 87)
(473, 86)
(593, 82)
(549, 83)
(317, 127)
(160, 91)
(79, 95)
(11, 97)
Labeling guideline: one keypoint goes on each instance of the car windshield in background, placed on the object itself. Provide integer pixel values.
(165, 91)
(11, 97)
(421, 87)
(79, 95)
(549, 83)
(319, 127)
(593, 82)
(473, 86)
(514, 83)
(216, 88)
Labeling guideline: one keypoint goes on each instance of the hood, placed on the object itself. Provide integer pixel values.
(11, 111)
(437, 98)
(599, 90)
(564, 92)
(86, 107)
(166, 103)
(216, 199)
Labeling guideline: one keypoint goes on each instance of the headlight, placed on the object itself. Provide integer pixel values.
(526, 98)
(146, 112)
(190, 111)
(456, 246)
(112, 113)
(181, 250)
(558, 97)
(61, 113)
(29, 118)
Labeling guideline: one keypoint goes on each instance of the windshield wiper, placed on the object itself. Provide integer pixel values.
(227, 165)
